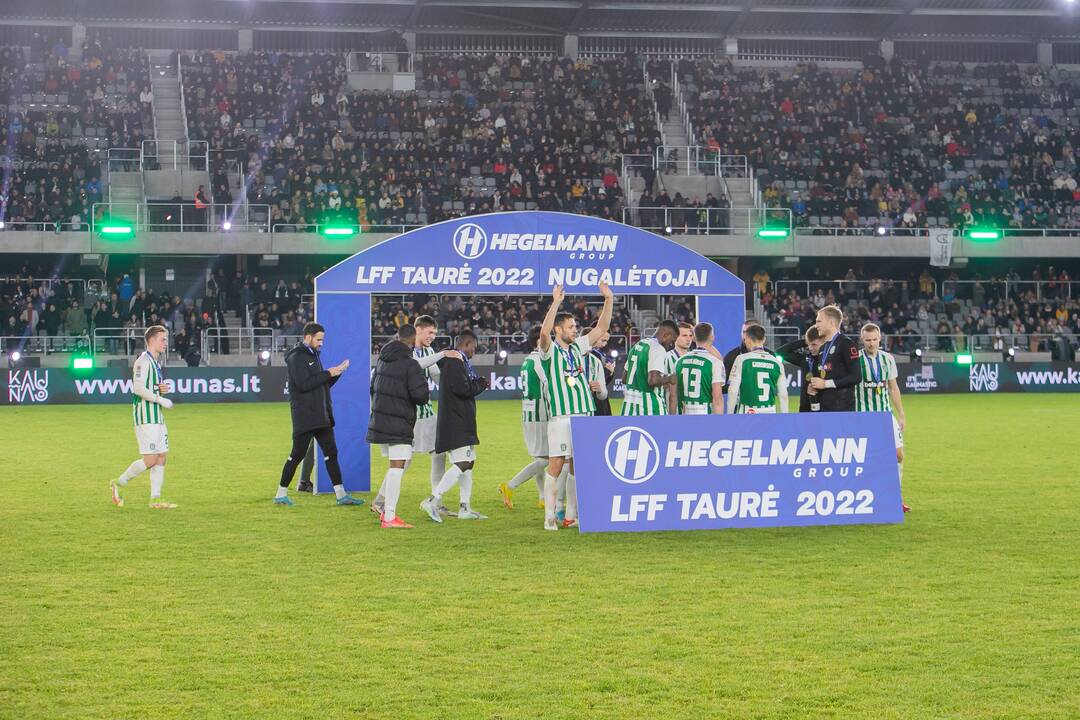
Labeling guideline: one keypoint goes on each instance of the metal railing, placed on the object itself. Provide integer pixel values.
(947, 289)
(178, 155)
(184, 217)
(889, 231)
(379, 61)
(906, 342)
(44, 226)
(705, 221)
(43, 344)
(690, 159)
(83, 285)
(357, 229)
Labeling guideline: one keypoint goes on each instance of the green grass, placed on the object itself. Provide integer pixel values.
(231, 608)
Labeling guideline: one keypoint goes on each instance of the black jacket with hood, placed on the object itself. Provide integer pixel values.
(398, 385)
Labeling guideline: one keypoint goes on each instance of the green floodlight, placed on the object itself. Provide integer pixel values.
(340, 231)
(117, 229)
(984, 234)
(82, 363)
(773, 233)
(964, 358)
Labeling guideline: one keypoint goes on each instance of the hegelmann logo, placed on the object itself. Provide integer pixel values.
(28, 386)
(632, 455)
(983, 377)
(470, 241)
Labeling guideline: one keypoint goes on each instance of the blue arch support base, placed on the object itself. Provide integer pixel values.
(504, 254)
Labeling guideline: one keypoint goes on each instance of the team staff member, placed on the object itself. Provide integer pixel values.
(600, 372)
(836, 371)
(312, 412)
(802, 353)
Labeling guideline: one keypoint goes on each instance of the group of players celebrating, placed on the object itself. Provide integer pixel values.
(677, 371)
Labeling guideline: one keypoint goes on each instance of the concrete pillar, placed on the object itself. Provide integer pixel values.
(570, 46)
(246, 41)
(887, 50)
(1044, 53)
(78, 37)
(731, 46)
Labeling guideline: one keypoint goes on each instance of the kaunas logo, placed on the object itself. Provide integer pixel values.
(28, 386)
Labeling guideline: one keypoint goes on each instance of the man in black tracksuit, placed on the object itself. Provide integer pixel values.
(836, 371)
(398, 386)
(456, 434)
(312, 412)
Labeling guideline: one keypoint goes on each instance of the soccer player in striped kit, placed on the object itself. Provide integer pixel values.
(534, 421)
(683, 343)
(426, 420)
(645, 377)
(148, 406)
(878, 391)
(562, 360)
(757, 378)
(699, 376)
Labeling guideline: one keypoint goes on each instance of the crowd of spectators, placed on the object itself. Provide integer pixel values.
(943, 312)
(899, 144)
(481, 134)
(60, 115)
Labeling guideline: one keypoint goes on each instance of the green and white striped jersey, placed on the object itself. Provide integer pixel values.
(757, 380)
(146, 374)
(432, 374)
(670, 359)
(872, 394)
(696, 372)
(533, 403)
(639, 398)
(566, 383)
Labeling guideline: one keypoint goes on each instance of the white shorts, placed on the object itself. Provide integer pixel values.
(424, 434)
(898, 437)
(560, 444)
(745, 410)
(462, 455)
(396, 452)
(153, 439)
(536, 438)
(695, 409)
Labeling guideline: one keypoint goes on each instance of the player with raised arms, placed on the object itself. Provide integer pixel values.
(562, 359)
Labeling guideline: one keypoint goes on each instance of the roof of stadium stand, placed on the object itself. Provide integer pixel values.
(847, 19)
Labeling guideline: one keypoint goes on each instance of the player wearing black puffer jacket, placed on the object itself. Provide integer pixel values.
(398, 385)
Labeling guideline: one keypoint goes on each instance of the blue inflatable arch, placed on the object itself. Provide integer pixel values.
(512, 253)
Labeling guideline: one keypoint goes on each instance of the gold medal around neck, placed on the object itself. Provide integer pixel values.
(571, 381)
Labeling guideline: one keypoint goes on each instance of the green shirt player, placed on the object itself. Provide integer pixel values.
(148, 411)
(645, 377)
(699, 376)
(757, 378)
(562, 359)
(534, 422)
(879, 391)
(683, 343)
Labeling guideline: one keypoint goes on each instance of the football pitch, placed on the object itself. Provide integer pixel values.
(229, 607)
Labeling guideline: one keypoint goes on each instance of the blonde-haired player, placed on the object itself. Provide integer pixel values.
(148, 406)
(879, 391)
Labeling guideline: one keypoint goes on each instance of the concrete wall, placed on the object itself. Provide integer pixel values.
(254, 243)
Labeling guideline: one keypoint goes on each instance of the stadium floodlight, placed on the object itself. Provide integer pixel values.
(1012, 352)
(263, 358)
(502, 354)
(667, 229)
(773, 233)
(964, 358)
(338, 231)
(2, 224)
(117, 229)
(16, 356)
(614, 353)
(226, 226)
(265, 354)
(984, 234)
(881, 230)
(82, 363)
